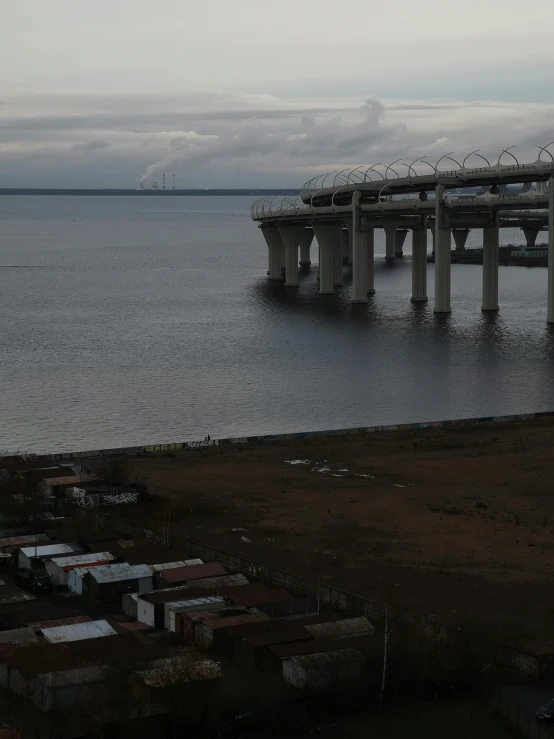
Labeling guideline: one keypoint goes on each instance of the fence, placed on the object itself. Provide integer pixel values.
(472, 646)
(525, 722)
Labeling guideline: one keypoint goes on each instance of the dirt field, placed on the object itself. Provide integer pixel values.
(458, 522)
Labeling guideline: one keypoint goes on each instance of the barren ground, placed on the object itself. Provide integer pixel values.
(456, 521)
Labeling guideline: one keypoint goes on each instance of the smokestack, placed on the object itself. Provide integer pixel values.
(163, 181)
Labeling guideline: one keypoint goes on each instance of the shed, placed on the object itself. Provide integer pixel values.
(225, 639)
(152, 554)
(58, 569)
(50, 623)
(187, 686)
(76, 578)
(10, 594)
(205, 631)
(60, 690)
(186, 622)
(192, 572)
(150, 606)
(324, 670)
(26, 555)
(192, 604)
(129, 604)
(10, 544)
(359, 626)
(217, 584)
(174, 565)
(108, 582)
(276, 603)
(249, 650)
(278, 652)
(75, 632)
(31, 660)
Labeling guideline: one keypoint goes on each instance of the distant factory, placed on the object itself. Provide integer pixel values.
(155, 185)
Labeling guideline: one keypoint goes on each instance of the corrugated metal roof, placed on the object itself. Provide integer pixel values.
(81, 560)
(51, 550)
(285, 636)
(193, 602)
(224, 621)
(219, 581)
(321, 645)
(323, 659)
(265, 625)
(50, 623)
(207, 615)
(152, 554)
(259, 598)
(345, 627)
(174, 565)
(193, 572)
(71, 479)
(119, 572)
(75, 632)
(36, 659)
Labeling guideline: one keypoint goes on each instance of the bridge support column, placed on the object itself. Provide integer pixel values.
(305, 247)
(419, 265)
(275, 248)
(359, 253)
(530, 235)
(491, 244)
(442, 255)
(550, 314)
(390, 241)
(337, 260)
(460, 237)
(399, 239)
(370, 258)
(292, 235)
(345, 246)
(328, 237)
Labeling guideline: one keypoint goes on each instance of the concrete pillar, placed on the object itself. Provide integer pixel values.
(390, 240)
(305, 247)
(530, 235)
(460, 237)
(359, 253)
(345, 246)
(292, 235)
(337, 260)
(442, 255)
(433, 237)
(275, 248)
(370, 258)
(419, 265)
(491, 243)
(328, 237)
(399, 239)
(550, 314)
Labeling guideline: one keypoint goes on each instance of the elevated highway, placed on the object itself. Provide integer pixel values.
(342, 210)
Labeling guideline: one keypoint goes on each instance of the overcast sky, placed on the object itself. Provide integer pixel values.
(264, 93)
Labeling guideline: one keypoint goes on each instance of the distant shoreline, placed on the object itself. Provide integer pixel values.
(144, 193)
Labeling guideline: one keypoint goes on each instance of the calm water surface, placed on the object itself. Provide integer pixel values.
(127, 320)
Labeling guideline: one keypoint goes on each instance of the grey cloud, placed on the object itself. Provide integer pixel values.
(87, 146)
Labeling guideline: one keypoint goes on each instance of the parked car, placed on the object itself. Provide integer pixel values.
(36, 581)
(546, 712)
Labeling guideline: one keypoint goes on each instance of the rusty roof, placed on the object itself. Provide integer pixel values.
(209, 615)
(260, 597)
(13, 594)
(344, 627)
(35, 659)
(117, 648)
(321, 645)
(50, 623)
(177, 670)
(271, 624)
(299, 633)
(323, 659)
(152, 555)
(224, 621)
(71, 479)
(20, 541)
(193, 572)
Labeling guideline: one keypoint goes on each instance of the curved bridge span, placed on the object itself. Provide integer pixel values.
(342, 209)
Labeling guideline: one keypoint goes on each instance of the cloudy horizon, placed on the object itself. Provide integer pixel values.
(244, 95)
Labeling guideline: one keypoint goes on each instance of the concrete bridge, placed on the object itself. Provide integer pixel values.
(342, 210)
